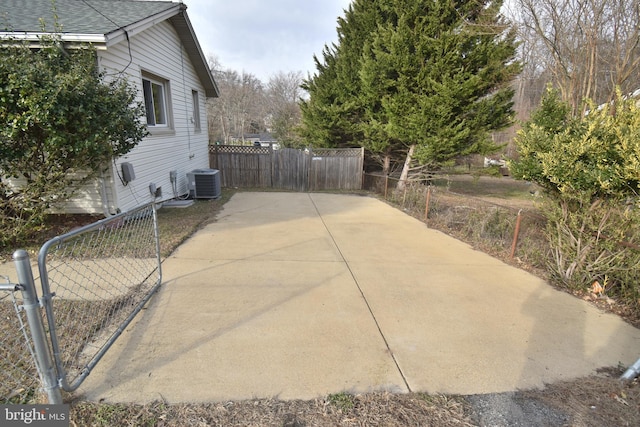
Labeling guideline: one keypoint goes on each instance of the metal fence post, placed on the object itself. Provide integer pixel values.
(631, 372)
(44, 361)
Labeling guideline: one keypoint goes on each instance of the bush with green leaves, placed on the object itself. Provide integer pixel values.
(61, 123)
(596, 156)
(590, 168)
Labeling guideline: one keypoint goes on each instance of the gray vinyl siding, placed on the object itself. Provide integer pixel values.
(158, 51)
(93, 198)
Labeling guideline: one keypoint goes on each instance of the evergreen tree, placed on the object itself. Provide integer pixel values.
(429, 78)
(325, 114)
(333, 113)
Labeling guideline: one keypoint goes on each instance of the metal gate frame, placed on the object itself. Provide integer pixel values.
(112, 267)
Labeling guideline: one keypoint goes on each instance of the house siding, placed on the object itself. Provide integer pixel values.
(158, 51)
(95, 197)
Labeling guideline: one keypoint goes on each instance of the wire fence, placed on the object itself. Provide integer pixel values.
(19, 380)
(509, 231)
(94, 281)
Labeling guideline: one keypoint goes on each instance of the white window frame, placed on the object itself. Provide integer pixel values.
(157, 102)
(195, 97)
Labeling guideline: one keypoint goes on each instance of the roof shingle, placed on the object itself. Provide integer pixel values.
(76, 16)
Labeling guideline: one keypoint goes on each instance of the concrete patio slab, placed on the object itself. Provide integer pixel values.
(296, 295)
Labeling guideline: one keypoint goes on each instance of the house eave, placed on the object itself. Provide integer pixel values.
(67, 38)
(119, 35)
(178, 17)
(187, 35)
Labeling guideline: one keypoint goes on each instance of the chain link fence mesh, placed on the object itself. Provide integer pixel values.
(19, 382)
(94, 281)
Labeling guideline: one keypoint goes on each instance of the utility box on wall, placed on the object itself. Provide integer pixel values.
(204, 183)
(128, 174)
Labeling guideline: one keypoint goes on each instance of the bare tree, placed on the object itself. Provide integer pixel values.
(246, 105)
(283, 94)
(285, 87)
(623, 56)
(586, 48)
(239, 109)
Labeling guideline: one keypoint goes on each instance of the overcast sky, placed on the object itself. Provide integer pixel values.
(263, 37)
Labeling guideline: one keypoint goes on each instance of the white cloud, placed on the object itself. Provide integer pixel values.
(263, 37)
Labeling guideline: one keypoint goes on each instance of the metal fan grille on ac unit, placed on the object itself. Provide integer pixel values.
(204, 183)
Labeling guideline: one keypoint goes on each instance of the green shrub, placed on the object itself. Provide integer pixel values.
(61, 123)
(588, 166)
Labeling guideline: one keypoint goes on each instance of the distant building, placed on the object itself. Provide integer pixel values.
(256, 139)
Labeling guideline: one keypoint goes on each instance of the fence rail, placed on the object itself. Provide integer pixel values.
(312, 169)
(94, 281)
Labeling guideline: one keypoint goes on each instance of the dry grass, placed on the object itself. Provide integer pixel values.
(19, 376)
(177, 224)
(378, 409)
(599, 400)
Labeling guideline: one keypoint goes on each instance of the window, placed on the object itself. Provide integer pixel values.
(195, 119)
(155, 101)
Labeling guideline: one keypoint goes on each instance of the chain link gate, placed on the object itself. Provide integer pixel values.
(18, 377)
(94, 281)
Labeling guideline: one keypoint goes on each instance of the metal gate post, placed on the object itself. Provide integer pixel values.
(44, 361)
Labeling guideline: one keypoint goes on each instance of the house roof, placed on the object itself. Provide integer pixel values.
(102, 23)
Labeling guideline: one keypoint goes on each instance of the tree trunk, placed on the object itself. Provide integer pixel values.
(405, 169)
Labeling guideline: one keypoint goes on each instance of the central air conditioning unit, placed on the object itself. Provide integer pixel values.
(204, 183)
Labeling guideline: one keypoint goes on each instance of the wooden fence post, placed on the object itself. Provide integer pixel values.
(516, 233)
(426, 205)
(309, 159)
(361, 168)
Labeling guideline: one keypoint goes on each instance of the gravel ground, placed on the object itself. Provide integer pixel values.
(599, 400)
(513, 409)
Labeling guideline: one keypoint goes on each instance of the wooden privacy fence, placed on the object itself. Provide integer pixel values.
(311, 169)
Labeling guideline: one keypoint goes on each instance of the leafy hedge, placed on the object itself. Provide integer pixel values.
(590, 167)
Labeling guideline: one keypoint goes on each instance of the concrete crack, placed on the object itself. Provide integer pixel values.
(364, 297)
